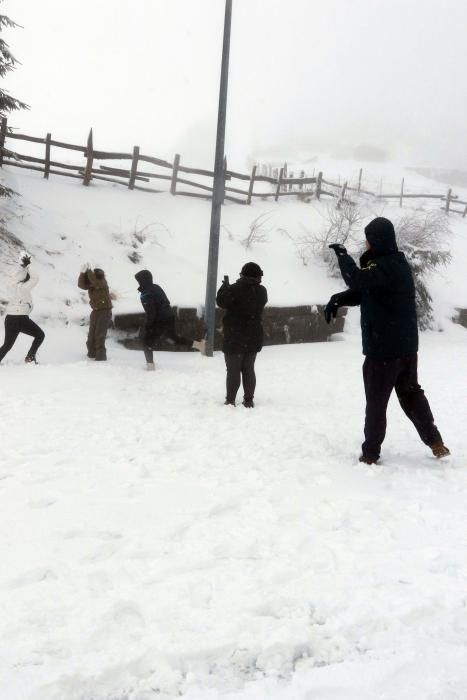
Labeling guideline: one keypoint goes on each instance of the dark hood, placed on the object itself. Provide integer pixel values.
(144, 278)
(381, 236)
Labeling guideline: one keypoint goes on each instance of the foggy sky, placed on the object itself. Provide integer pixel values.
(306, 76)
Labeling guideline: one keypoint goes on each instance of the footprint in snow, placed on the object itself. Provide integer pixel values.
(41, 503)
(33, 576)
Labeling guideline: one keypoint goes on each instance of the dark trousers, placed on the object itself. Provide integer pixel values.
(14, 325)
(240, 366)
(99, 323)
(164, 329)
(380, 378)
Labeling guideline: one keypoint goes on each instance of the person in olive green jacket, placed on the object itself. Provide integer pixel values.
(101, 315)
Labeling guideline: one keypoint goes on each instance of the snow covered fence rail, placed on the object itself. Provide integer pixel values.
(281, 184)
(282, 325)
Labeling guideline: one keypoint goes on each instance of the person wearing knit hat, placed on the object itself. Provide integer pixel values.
(383, 286)
(243, 302)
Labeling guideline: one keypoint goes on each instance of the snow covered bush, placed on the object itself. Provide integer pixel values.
(257, 233)
(423, 236)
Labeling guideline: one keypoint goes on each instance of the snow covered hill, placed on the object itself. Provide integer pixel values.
(156, 544)
(64, 225)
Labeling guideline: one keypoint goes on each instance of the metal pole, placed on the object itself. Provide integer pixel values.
(218, 189)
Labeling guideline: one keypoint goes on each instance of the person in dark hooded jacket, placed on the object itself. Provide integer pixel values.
(384, 288)
(244, 302)
(160, 319)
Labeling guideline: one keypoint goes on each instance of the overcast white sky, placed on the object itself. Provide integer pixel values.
(314, 76)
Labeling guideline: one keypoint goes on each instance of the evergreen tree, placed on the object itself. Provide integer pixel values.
(8, 103)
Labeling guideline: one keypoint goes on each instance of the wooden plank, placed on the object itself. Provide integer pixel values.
(3, 133)
(28, 159)
(409, 196)
(156, 161)
(134, 168)
(332, 184)
(176, 167)
(194, 184)
(195, 171)
(95, 176)
(465, 212)
(66, 146)
(195, 194)
(24, 137)
(360, 180)
(239, 176)
(23, 165)
(251, 185)
(236, 190)
(402, 192)
(108, 155)
(47, 156)
(279, 184)
(262, 178)
(87, 175)
(140, 175)
(319, 185)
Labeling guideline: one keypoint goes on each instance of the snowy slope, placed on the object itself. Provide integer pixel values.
(65, 224)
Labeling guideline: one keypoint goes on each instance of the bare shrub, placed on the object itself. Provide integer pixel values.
(340, 226)
(423, 237)
(257, 233)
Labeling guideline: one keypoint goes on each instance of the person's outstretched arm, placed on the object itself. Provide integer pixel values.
(369, 277)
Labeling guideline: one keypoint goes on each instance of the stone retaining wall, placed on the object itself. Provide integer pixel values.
(282, 325)
(461, 317)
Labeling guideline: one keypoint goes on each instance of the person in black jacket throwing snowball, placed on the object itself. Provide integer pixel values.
(244, 302)
(160, 319)
(384, 289)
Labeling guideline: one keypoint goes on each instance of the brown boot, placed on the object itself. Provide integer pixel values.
(367, 460)
(439, 450)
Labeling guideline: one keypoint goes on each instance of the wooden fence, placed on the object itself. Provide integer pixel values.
(281, 183)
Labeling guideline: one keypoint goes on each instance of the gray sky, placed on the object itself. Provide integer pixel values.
(307, 76)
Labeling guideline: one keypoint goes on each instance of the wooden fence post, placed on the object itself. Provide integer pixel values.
(448, 200)
(360, 180)
(341, 195)
(89, 153)
(3, 133)
(173, 182)
(402, 192)
(252, 182)
(48, 139)
(302, 175)
(279, 183)
(134, 168)
(319, 184)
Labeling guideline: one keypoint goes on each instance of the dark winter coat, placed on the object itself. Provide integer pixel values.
(97, 288)
(244, 302)
(385, 290)
(154, 300)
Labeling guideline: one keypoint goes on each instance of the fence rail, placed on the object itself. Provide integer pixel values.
(282, 183)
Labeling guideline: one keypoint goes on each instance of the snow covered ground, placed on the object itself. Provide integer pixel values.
(157, 544)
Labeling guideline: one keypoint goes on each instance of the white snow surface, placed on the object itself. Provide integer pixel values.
(156, 544)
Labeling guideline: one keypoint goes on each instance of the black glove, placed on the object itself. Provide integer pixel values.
(338, 248)
(25, 260)
(330, 310)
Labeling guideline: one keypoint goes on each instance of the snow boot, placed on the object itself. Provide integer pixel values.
(150, 366)
(30, 359)
(439, 450)
(248, 403)
(229, 403)
(367, 460)
(200, 345)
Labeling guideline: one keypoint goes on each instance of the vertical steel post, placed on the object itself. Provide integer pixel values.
(218, 189)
